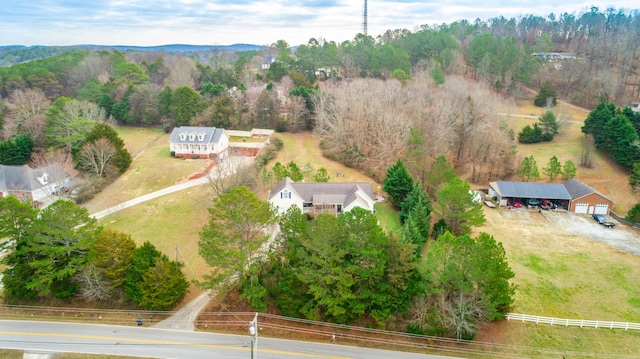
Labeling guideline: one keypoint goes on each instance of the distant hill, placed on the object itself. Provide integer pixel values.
(15, 54)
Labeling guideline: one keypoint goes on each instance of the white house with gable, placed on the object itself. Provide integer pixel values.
(322, 197)
(199, 142)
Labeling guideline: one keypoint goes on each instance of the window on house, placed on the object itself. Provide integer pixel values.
(200, 136)
(191, 136)
(285, 194)
(183, 136)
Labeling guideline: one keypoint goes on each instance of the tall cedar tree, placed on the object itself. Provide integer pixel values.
(143, 258)
(457, 207)
(621, 141)
(398, 183)
(112, 256)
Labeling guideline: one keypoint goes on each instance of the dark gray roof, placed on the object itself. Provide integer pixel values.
(325, 192)
(211, 134)
(578, 189)
(531, 190)
(25, 178)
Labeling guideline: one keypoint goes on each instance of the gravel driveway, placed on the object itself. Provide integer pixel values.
(582, 225)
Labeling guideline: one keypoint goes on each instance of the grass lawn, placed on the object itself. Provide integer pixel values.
(151, 169)
(605, 175)
(388, 217)
(170, 222)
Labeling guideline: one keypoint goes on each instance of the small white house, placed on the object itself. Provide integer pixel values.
(199, 142)
(322, 197)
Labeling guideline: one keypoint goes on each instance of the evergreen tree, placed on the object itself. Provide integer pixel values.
(398, 183)
(162, 285)
(528, 169)
(530, 134)
(597, 119)
(548, 126)
(547, 94)
(553, 168)
(440, 172)
(143, 258)
(621, 141)
(568, 170)
(634, 214)
(457, 207)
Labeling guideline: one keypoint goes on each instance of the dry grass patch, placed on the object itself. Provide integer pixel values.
(151, 169)
(605, 175)
(303, 148)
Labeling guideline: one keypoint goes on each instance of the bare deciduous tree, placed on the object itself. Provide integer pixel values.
(93, 287)
(233, 171)
(296, 113)
(26, 114)
(183, 72)
(95, 157)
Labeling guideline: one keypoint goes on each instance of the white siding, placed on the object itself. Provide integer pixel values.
(283, 204)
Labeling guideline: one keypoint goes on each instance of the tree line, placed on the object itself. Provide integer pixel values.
(60, 252)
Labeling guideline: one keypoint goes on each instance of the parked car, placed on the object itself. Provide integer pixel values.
(533, 203)
(601, 219)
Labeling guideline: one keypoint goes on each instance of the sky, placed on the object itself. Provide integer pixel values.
(223, 22)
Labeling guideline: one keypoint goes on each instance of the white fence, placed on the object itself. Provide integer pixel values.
(573, 322)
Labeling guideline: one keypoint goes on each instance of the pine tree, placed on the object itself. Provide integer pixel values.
(398, 183)
(553, 168)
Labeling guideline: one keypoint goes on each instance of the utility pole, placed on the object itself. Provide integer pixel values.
(253, 330)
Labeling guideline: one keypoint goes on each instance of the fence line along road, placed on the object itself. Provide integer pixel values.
(573, 322)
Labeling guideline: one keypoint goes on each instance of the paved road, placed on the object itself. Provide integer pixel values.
(46, 337)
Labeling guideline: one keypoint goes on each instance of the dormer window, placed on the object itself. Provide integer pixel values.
(191, 137)
(285, 194)
(201, 136)
(44, 179)
(183, 137)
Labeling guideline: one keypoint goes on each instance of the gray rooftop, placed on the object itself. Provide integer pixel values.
(578, 189)
(531, 190)
(24, 178)
(211, 134)
(324, 192)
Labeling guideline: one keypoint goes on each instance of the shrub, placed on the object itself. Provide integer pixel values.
(634, 214)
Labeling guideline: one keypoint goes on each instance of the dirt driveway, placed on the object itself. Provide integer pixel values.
(549, 225)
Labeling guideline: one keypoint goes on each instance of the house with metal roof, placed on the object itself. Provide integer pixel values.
(33, 184)
(314, 198)
(199, 142)
(571, 195)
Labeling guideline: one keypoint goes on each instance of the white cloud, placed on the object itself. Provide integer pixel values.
(156, 22)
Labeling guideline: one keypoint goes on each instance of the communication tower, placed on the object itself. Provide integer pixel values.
(364, 18)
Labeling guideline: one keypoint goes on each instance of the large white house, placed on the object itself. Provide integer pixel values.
(33, 184)
(322, 197)
(199, 142)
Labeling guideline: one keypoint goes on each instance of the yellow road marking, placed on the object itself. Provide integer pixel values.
(172, 343)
